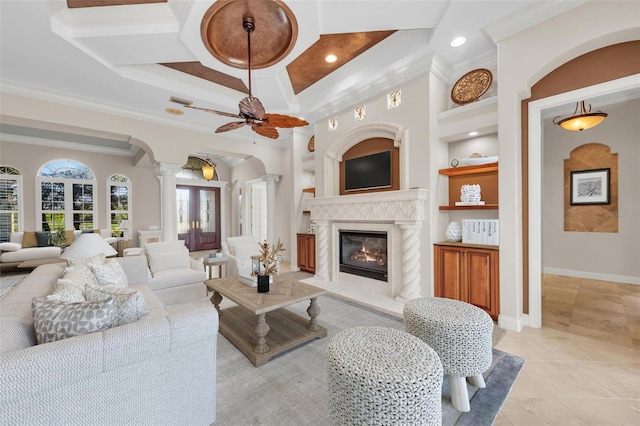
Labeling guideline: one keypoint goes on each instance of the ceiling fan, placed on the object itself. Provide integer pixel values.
(252, 112)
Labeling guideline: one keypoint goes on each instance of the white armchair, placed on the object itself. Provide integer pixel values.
(239, 251)
(175, 276)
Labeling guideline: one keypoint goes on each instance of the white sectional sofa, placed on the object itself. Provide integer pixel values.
(160, 369)
(12, 254)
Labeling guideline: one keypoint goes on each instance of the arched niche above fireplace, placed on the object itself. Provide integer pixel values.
(372, 165)
(335, 151)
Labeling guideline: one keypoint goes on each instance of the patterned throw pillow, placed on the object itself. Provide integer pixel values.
(130, 305)
(67, 290)
(88, 261)
(81, 274)
(110, 273)
(53, 320)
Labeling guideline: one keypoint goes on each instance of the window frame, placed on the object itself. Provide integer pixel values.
(110, 183)
(18, 178)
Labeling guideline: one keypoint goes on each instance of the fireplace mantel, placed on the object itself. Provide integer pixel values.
(402, 212)
(385, 206)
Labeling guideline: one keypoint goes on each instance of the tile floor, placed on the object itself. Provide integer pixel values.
(582, 367)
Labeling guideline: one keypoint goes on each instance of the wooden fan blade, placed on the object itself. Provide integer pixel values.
(284, 121)
(226, 114)
(264, 129)
(230, 126)
(251, 107)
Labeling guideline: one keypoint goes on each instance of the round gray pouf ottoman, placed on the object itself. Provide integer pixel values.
(461, 335)
(383, 376)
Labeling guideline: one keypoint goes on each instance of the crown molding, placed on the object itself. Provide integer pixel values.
(528, 17)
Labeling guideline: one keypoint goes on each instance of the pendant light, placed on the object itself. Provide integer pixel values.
(208, 168)
(584, 120)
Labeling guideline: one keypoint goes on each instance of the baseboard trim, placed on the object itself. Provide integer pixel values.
(592, 275)
(511, 323)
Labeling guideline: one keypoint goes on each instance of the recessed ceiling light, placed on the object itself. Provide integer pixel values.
(174, 111)
(331, 58)
(474, 133)
(458, 41)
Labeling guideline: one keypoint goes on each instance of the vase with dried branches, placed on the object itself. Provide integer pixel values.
(268, 263)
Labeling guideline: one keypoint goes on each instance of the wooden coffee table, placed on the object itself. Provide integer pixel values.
(245, 325)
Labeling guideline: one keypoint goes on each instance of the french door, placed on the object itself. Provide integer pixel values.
(198, 217)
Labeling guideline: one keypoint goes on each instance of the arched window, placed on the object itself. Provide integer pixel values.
(66, 199)
(10, 202)
(119, 205)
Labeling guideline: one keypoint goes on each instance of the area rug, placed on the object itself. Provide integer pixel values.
(291, 389)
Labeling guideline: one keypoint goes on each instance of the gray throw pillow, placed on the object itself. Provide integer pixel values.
(42, 238)
(54, 320)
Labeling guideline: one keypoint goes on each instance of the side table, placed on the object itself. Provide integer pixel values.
(122, 245)
(220, 262)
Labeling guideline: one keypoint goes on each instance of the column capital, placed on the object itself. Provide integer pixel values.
(271, 178)
(168, 169)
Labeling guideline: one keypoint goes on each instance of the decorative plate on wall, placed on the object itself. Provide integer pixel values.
(471, 86)
(312, 144)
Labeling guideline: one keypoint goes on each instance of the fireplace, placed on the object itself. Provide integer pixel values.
(364, 253)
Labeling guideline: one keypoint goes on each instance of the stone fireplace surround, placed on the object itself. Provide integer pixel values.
(398, 213)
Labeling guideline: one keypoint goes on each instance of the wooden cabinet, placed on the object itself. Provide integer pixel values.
(468, 273)
(307, 252)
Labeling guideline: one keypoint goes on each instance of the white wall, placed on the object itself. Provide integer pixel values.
(145, 186)
(609, 256)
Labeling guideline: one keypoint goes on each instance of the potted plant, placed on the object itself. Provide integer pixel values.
(58, 238)
(268, 263)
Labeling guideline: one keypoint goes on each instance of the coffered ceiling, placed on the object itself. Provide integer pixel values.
(131, 56)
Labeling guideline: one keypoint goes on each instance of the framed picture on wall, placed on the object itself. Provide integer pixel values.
(590, 187)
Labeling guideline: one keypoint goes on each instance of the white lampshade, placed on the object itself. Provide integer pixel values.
(87, 245)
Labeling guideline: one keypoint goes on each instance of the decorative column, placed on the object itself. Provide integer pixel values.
(271, 181)
(168, 213)
(410, 260)
(322, 250)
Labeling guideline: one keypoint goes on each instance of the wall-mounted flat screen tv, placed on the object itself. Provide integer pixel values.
(368, 172)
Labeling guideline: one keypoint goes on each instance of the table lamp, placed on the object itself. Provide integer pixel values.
(124, 225)
(87, 245)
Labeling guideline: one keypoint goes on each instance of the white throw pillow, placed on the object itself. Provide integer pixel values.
(130, 305)
(168, 260)
(110, 273)
(67, 290)
(10, 246)
(80, 274)
(88, 261)
(246, 251)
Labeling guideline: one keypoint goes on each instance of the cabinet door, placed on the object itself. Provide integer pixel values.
(311, 253)
(448, 272)
(307, 253)
(480, 276)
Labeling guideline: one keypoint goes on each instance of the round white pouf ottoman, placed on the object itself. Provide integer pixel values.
(461, 335)
(383, 376)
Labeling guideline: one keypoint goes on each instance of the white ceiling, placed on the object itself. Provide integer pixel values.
(106, 57)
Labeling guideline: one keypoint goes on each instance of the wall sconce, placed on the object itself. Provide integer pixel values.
(584, 120)
(208, 168)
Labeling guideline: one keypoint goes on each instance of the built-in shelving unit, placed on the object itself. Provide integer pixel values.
(485, 175)
(308, 191)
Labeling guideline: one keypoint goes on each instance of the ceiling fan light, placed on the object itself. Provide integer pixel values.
(584, 120)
